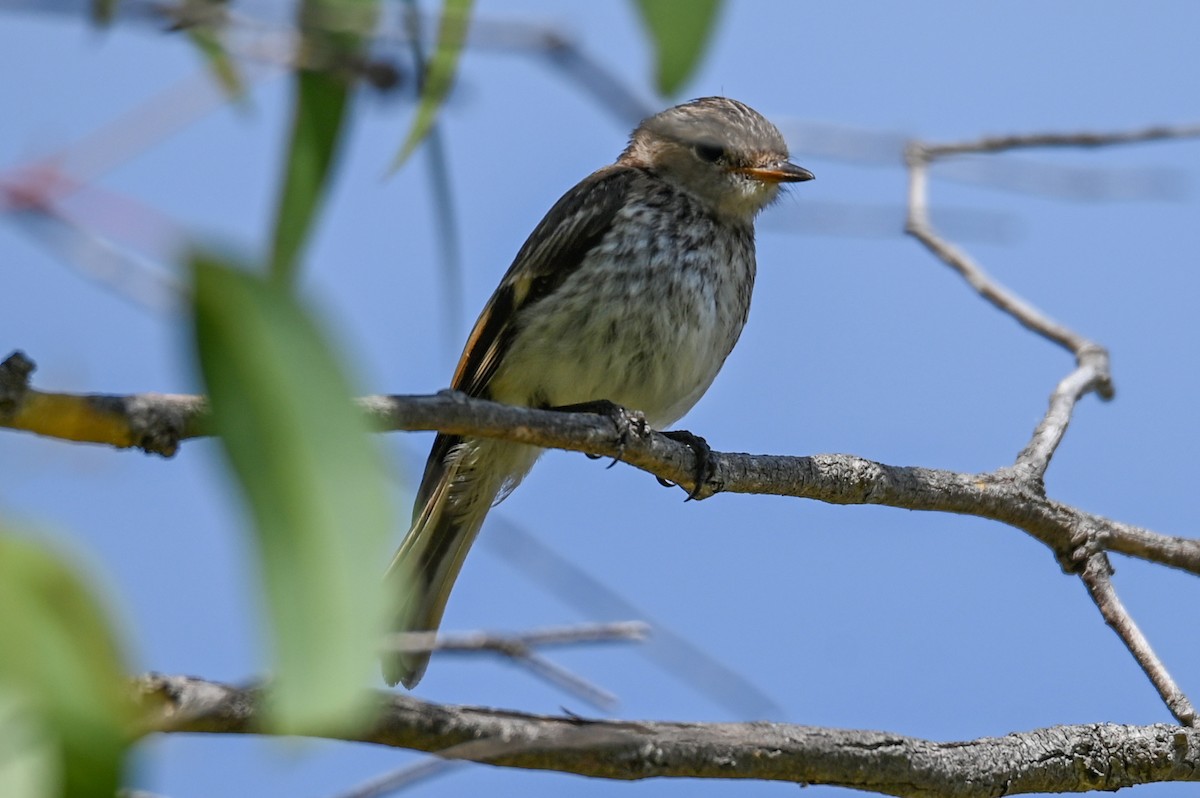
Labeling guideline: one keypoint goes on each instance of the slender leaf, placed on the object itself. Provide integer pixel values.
(66, 715)
(319, 107)
(443, 67)
(210, 44)
(315, 487)
(30, 765)
(680, 30)
(334, 40)
(450, 270)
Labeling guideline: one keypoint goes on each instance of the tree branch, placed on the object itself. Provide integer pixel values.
(1025, 141)
(1097, 577)
(159, 422)
(520, 649)
(1060, 759)
(1092, 373)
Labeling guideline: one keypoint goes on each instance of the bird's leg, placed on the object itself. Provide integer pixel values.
(704, 465)
(628, 422)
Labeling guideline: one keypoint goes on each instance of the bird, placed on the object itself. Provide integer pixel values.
(629, 294)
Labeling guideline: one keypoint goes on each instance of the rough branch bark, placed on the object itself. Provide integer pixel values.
(158, 422)
(1060, 759)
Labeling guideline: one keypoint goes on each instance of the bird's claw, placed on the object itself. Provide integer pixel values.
(628, 423)
(705, 468)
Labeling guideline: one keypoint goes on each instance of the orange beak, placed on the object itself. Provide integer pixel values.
(785, 172)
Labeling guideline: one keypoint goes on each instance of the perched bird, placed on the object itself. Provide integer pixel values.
(632, 291)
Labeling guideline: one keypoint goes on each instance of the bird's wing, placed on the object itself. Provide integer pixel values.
(553, 251)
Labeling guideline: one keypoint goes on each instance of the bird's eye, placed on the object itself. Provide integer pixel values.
(709, 152)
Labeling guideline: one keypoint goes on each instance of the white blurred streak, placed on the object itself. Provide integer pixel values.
(1085, 184)
(1077, 183)
(859, 220)
(128, 275)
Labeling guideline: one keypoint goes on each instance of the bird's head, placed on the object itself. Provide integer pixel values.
(719, 150)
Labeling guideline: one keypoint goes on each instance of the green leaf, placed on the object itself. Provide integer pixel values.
(315, 486)
(335, 35)
(318, 110)
(208, 42)
(66, 714)
(680, 30)
(30, 765)
(439, 79)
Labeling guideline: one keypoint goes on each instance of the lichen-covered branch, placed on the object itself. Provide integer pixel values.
(152, 422)
(1061, 759)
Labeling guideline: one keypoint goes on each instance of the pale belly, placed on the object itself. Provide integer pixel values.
(650, 336)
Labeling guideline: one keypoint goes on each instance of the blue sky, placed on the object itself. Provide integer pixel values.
(856, 617)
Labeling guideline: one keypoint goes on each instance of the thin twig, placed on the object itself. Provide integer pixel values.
(519, 648)
(919, 226)
(670, 650)
(1025, 141)
(490, 641)
(567, 680)
(1091, 374)
(1097, 577)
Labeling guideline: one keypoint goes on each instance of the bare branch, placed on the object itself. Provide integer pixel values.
(158, 422)
(918, 158)
(1092, 373)
(1060, 759)
(519, 648)
(1097, 576)
(154, 423)
(673, 652)
(1025, 141)
(549, 636)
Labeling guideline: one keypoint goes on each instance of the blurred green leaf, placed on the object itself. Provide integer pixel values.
(318, 108)
(314, 483)
(30, 765)
(208, 42)
(680, 30)
(66, 714)
(443, 66)
(334, 40)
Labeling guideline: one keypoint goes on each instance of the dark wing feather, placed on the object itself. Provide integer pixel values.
(553, 251)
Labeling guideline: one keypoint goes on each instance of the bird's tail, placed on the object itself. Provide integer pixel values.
(463, 479)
